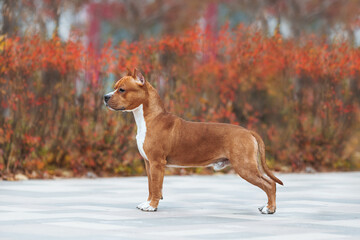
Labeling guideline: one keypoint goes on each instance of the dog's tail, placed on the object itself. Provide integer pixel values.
(262, 157)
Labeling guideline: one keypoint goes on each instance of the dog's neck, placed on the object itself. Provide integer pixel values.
(153, 106)
(146, 111)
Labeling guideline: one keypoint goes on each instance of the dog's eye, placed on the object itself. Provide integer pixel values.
(121, 90)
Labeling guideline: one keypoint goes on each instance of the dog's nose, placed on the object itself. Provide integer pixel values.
(106, 98)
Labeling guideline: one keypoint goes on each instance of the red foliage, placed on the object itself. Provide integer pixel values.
(301, 96)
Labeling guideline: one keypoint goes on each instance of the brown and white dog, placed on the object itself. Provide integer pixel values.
(164, 139)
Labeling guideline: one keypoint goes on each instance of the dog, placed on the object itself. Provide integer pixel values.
(165, 140)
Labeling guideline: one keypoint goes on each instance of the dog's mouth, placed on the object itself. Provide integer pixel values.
(114, 109)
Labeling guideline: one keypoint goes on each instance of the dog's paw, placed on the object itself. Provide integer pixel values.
(145, 206)
(266, 210)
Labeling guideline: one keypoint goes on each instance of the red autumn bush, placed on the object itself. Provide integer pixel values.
(302, 96)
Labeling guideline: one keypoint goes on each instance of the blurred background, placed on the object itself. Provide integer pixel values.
(288, 69)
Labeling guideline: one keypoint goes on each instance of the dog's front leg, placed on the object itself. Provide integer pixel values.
(143, 206)
(147, 167)
(156, 169)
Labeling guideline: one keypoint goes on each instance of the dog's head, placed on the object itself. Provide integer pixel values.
(129, 93)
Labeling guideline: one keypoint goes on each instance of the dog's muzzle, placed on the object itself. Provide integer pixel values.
(107, 98)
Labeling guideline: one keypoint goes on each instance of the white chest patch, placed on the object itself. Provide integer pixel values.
(141, 129)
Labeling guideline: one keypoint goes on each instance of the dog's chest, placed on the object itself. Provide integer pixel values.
(141, 129)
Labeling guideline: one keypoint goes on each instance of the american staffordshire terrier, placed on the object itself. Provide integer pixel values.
(164, 139)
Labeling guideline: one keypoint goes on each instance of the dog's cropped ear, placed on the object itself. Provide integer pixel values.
(139, 78)
(129, 73)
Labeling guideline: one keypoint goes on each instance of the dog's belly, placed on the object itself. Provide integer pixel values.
(196, 158)
(217, 165)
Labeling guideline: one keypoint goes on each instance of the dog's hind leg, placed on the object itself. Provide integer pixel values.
(246, 166)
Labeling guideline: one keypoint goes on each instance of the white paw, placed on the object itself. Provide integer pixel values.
(145, 206)
(265, 210)
(142, 204)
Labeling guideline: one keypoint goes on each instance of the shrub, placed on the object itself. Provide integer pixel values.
(302, 96)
